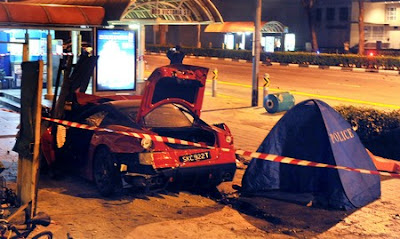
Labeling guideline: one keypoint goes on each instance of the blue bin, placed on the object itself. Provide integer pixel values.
(278, 102)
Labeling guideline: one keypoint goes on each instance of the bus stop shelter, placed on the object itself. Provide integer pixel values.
(235, 34)
(119, 13)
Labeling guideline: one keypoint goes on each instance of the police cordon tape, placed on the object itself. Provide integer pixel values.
(132, 134)
(9, 111)
(263, 156)
(42, 54)
(268, 157)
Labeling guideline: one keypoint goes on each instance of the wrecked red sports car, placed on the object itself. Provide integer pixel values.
(170, 107)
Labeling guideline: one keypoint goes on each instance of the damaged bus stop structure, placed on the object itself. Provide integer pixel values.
(135, 15)
(88, 15)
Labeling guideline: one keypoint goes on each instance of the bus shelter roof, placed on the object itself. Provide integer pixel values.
(148, 12)
(231, 27)
(23, 14)
(267, 27)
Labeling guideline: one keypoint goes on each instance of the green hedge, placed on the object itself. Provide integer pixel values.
(208, 52)
(323, 59)
(346, 60)
(378, 130)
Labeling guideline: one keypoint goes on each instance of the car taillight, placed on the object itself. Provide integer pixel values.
(146, 144)
(228, 139)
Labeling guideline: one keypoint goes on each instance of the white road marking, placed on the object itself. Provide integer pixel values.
(348, 85)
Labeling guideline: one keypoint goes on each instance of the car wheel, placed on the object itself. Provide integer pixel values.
(106, 174)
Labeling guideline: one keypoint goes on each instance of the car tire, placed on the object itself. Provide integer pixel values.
(105, 172)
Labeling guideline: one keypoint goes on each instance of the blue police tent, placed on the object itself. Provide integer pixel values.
(313, 131)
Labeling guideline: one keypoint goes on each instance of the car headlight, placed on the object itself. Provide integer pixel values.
(146, 143)
(228, 139)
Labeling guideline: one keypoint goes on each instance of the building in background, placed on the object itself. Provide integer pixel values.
(336, 24)
(288, 12)
(332, 19)
(382, 24)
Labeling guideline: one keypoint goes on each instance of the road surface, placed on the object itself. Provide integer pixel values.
(335, 86)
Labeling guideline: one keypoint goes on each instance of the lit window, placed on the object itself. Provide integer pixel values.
(391, 14)
(367, 32)
(377, 32)
(374, 33)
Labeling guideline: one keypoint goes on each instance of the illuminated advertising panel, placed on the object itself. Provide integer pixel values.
(229, 41)
(290, 42)
(269, 44)
(116, 66)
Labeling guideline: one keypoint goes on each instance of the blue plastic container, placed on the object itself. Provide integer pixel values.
(278, 102)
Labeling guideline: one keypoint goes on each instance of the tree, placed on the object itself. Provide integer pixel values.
(309, 5)
(361, 33)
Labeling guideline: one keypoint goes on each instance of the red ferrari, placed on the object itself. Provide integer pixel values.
(170, 107)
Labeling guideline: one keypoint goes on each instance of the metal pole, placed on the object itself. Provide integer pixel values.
(94, 53)
(49, 67)
(74, 46)
(25, 48)
(256, 54)
(79, 50)
(141, 50)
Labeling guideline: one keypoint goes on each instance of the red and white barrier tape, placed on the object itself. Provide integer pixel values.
(263, 156)
(269, 157)
(7, 110)
(43, 54)
(156, 138)
(64, 54)
(288, 160)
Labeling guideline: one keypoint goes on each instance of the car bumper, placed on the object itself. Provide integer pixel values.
(211, 175)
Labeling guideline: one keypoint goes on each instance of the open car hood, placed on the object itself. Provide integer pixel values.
(183, 84)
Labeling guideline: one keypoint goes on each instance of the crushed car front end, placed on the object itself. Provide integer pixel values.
(161, 163)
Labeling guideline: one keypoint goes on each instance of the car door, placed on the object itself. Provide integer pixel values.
(78, 140)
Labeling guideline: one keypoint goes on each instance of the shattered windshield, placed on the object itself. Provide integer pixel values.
(169, 116)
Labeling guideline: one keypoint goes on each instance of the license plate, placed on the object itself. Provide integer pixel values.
(195, 157)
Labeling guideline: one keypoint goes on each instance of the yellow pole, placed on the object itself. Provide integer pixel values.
(49, 67)
(25, 48)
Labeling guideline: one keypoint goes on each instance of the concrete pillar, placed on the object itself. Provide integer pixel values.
(156, 29)
(199, 36)
(49, 67)
(163, 34)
